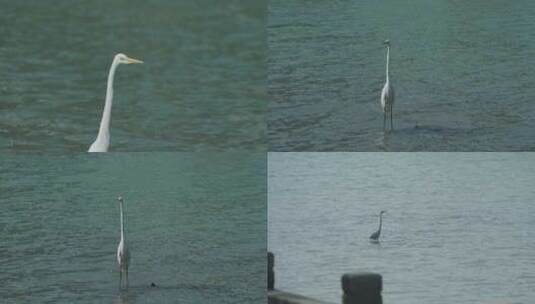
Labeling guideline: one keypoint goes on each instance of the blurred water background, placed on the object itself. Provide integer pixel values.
(195, 226)
(202, 86)
(459, 227)
(461, 71)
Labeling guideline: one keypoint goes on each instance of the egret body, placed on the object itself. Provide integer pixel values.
(387, 94)
(375, 236)
(123, 255)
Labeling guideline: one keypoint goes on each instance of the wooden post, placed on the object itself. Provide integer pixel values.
(362, 288)
(271, 273)
(359, 288)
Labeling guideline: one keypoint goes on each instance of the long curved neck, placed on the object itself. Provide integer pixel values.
(104, 129)
(380, 221)
(387, 61)
(122, 221)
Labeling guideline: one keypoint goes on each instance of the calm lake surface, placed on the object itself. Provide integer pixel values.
(196, 227)
(459, 228)
(202, 86)
(462, 72)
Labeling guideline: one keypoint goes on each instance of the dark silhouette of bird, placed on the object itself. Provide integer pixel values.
(375, 236)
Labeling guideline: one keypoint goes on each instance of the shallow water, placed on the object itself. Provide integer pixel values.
(202, 86)
(195, 223)
(459, 227)
(461, 71)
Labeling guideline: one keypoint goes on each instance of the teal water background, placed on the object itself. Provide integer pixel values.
(196, 227)
(461, 71)
(459, 227)
(202, 86)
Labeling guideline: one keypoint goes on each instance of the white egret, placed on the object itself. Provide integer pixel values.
(375, 236)
(102, 142)
(123, 255)
(387, 94)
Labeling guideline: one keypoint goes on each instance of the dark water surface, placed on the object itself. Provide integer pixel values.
(196, 227)
(202, 86)
(462, 72)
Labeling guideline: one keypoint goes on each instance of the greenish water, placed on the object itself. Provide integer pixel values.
(202, 86)
(462, 71)
(196, 227)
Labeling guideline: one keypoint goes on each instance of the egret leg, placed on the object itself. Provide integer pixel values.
(126, 276)
(391, 121)
(384, 121)
(120, 278)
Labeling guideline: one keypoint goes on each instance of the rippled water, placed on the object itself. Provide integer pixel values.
(459, 228)
(202, 86)
(461, 70)
(196, 227)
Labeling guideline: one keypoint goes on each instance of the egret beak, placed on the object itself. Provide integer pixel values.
(132, 60)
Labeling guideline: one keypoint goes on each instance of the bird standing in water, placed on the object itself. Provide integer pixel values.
(387, 94)
(102, 142)
(123, 255)
(375, 236)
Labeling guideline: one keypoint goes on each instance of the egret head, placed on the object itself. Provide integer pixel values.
(122, 58)
(387, 42)
(120, 198)
(382, 211)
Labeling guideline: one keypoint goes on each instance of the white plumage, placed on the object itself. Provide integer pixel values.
(387, 94)
(102, 142)
(123, 254)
